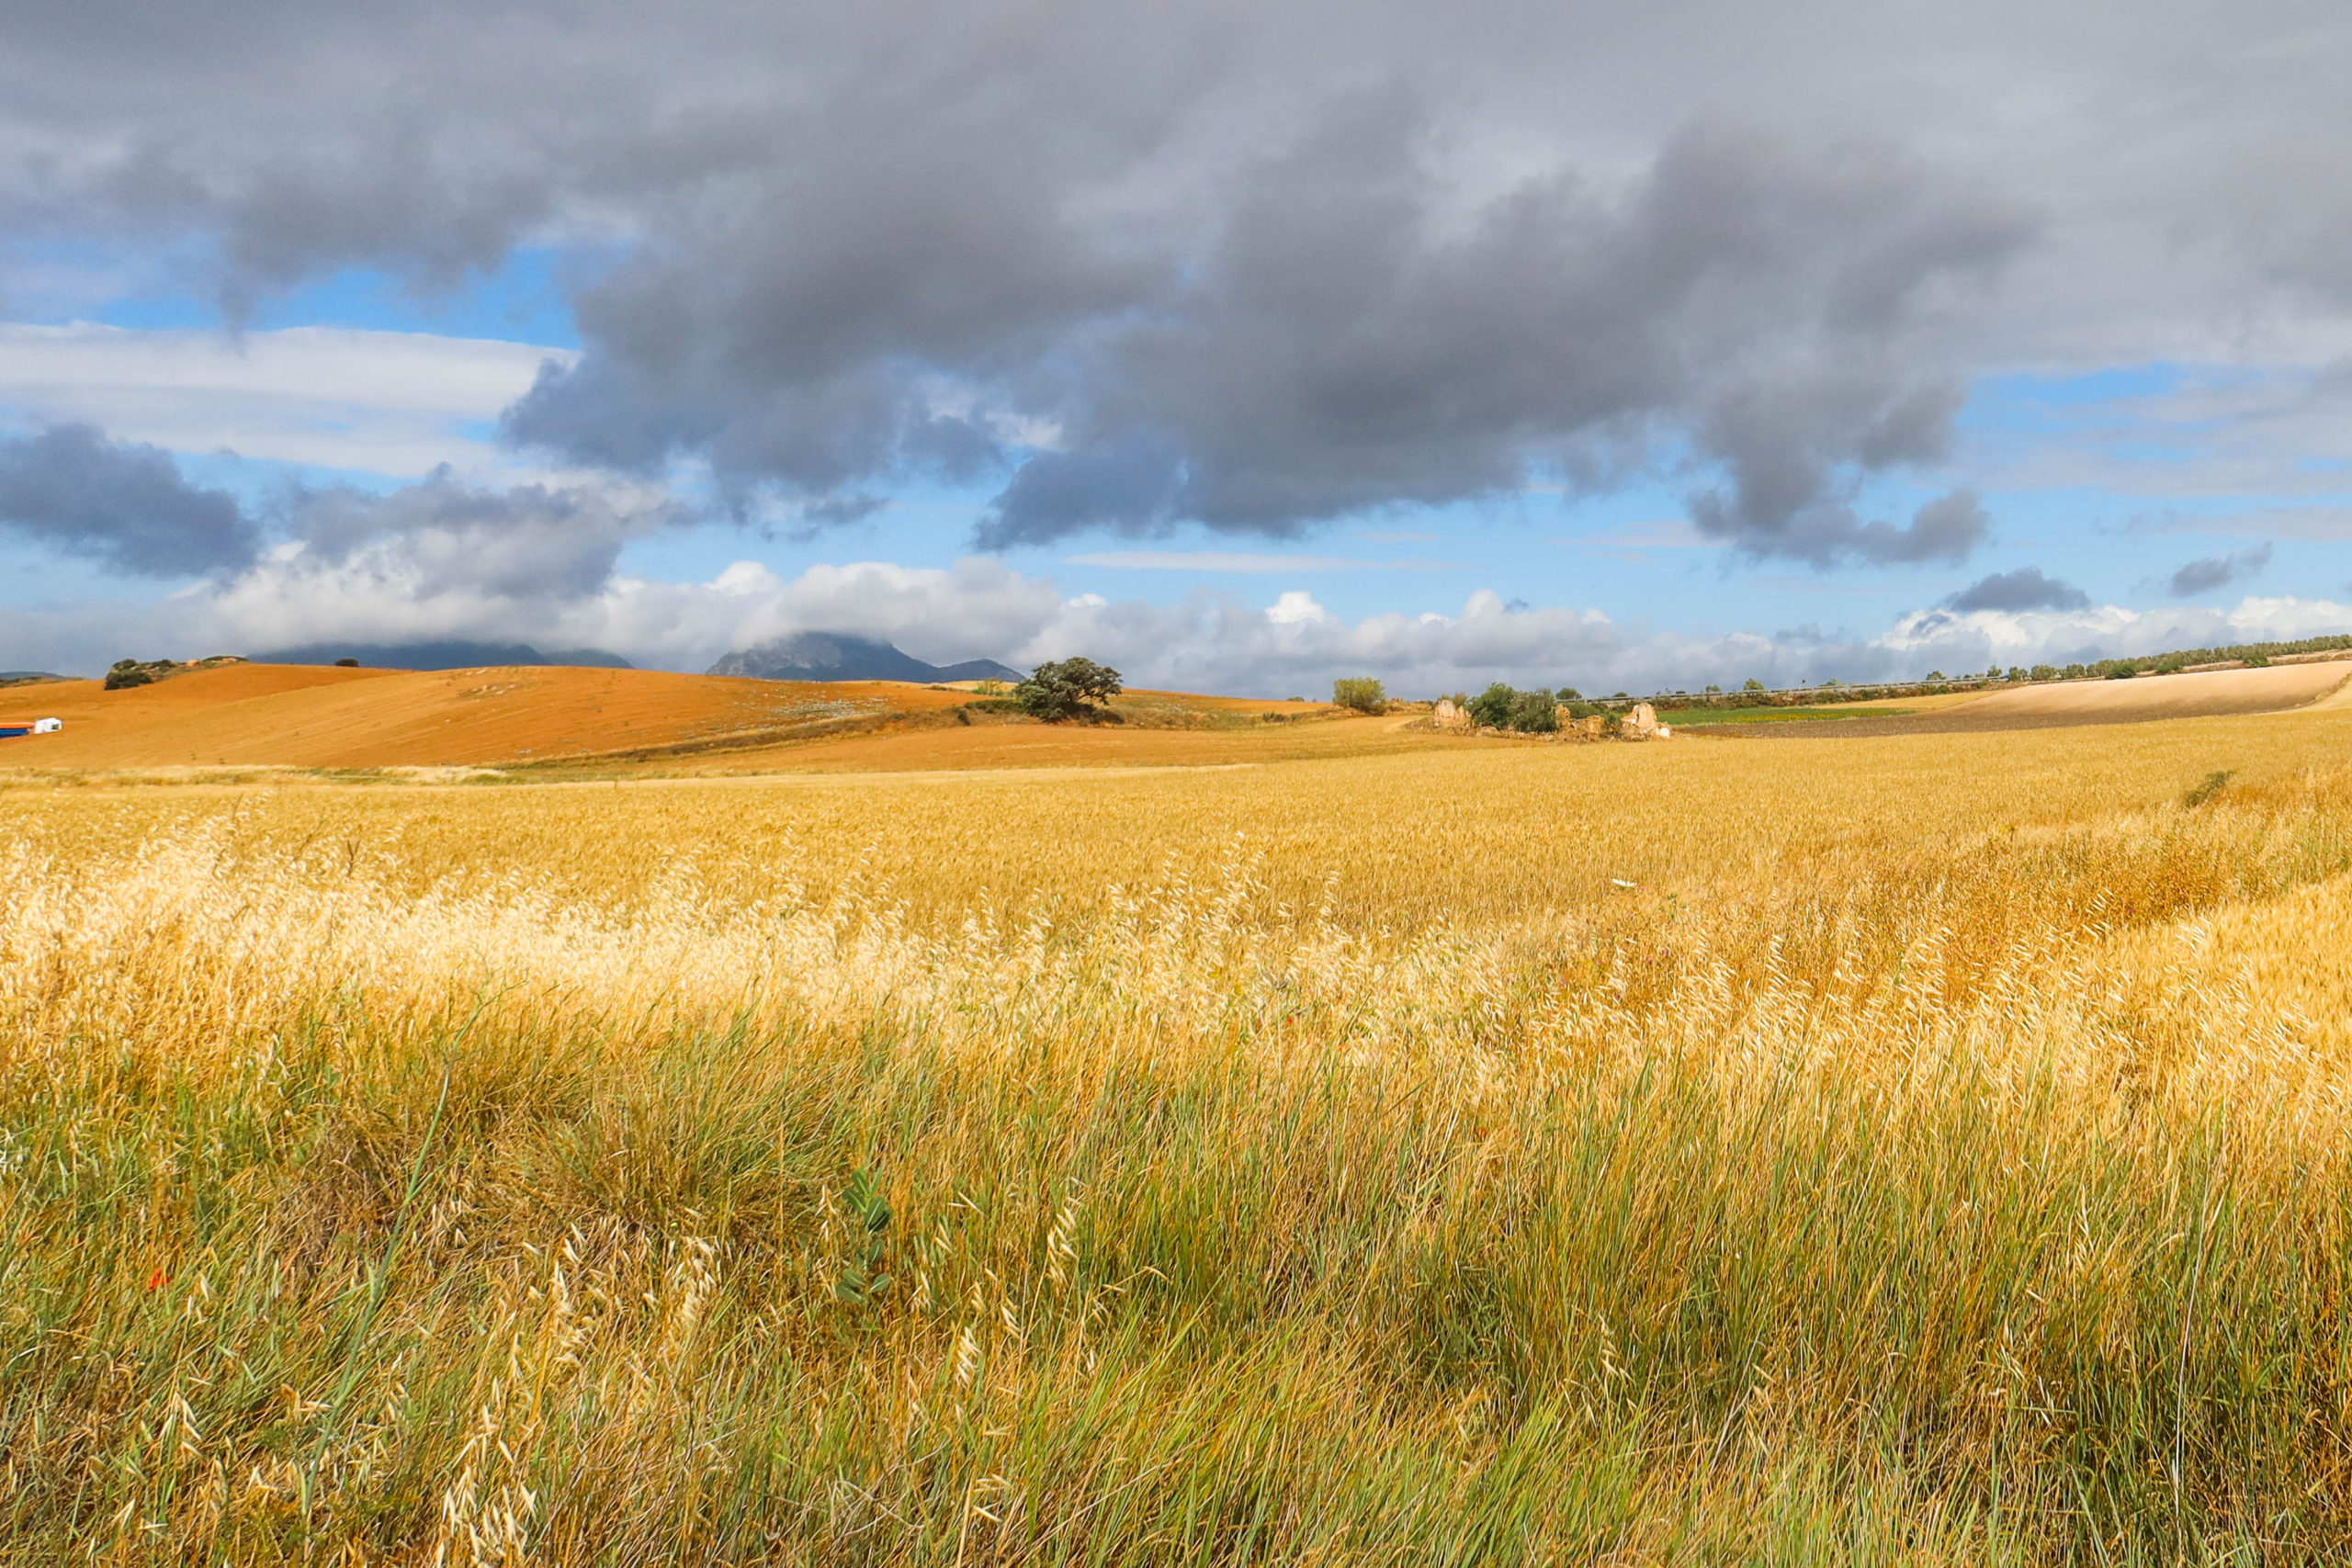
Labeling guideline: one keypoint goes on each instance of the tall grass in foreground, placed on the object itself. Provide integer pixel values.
(1985, 1198)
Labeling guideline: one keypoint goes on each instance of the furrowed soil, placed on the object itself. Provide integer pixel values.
(1931, 1147)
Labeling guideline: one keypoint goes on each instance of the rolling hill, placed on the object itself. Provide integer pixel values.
(323, 717)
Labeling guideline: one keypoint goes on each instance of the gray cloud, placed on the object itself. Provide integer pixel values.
(2218, 571)
(1353, 344)
(2024, 589)
(441, 536)
(1110, 252)
(122, 504)
(1342, 349)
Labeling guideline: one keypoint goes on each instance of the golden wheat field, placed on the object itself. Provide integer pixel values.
(1917, 1149)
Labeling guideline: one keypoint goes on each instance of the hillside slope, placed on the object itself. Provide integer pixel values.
(309, 715)
(2213, 693)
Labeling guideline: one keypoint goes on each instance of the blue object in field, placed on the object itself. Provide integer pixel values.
(8, 729)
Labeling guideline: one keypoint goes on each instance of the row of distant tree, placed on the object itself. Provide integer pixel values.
(1501, 706)
(1077, 688)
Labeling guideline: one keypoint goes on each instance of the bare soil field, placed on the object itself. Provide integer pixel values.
(320, 717)
(2208, 694)
(303, 716)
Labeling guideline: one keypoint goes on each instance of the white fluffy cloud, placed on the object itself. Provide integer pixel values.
(394, 583)
(393, 403)
(1958, 640)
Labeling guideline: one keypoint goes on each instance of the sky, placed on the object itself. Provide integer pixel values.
(1240, 346)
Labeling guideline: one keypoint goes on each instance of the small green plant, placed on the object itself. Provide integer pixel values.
(129, 672)
(1534, 713)
(868, 1212)
(1569, 695)
(1361, 692)
(2120, 672)
(2206, 790)
(1491, 707)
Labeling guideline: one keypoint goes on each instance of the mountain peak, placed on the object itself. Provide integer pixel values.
(842, 656)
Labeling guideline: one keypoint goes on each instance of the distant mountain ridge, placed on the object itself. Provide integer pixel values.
(837, 656)
(449, 654)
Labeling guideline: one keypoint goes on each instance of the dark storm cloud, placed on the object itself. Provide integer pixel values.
(1133, 259)
(1353, 344)
(1348, 344)
(2024, 589)
(442, 535)
(1824, 533)
(2218, 571)
(126, 504)
(122, 504)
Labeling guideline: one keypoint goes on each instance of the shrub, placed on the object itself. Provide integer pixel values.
(1360, 693)
(1568, 694)
(1491, 707)
(2045, 672)
(129, 672)
(346, 664)
(2120, 672)
(1534, 713)
(1064, 689)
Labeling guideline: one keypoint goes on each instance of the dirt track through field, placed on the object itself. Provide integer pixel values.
(2212, 693)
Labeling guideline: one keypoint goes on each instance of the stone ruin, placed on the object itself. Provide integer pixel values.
(1642, 725)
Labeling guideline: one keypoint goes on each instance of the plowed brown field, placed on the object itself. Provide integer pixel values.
(310, 717)
(315, 717)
